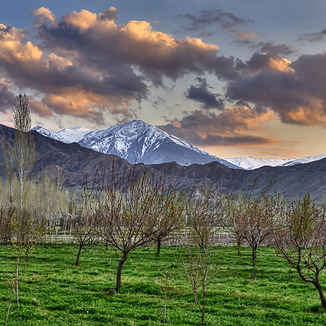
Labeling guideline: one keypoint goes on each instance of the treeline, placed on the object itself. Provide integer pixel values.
(132, 210)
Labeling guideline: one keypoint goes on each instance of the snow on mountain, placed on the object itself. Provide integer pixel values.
(304, 160)
(68, 135)
(251, 163)
(137, 141)
(45, 132)
(72, 134)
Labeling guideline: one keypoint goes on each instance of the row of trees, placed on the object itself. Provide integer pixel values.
(134, 210)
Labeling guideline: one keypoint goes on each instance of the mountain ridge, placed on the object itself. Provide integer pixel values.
(139, 142)
(78, 164)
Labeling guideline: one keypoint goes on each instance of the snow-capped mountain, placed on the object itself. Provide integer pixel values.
(45, 132)
(137, 142)
(251, 163)
(303, 160)
(72, 134)
(68, 135)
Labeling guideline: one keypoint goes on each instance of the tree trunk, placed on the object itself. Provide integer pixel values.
(321, 293)
(203, 317)
(119, 272)
(238, 245)
(78, 255)
(21, 178)
(17, 283)
(158, 248)
(253, 259)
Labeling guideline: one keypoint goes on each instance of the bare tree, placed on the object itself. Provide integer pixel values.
(202, 214)
(300, 238)
(252, 219)
(126, 216)
(83, 221)
(169, 211)
(229, 221)
(197, 267)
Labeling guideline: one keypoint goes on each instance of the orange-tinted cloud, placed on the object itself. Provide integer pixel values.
(248, 36)
(88, 64)
(100, 42)
(69, 87)
(43, 15)
(39, 108)
(229, 128)
(281, 64)
(294, 91)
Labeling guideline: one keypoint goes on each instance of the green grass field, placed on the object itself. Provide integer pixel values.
(54, 292)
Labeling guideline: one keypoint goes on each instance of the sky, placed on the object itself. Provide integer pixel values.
(232, 77)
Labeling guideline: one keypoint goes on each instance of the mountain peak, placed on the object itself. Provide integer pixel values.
(137, 142)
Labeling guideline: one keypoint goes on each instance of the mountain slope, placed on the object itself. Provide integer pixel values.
(76, 162)
(137, 142)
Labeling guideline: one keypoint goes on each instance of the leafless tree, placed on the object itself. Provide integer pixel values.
(83, 221)
(202, 214)
(300, 238)
(169, 210)
(252, 219)
(126, 215)
(229, 221)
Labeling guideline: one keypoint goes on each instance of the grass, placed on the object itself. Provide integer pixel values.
(54, 292)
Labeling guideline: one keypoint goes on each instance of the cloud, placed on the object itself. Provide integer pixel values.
(248, 36)
(274, 49)
(43, 15)
(109, 14)
(201, 94)
(98, 42)
(205, 128)
(313, 37)
(295, 91)
(86, 64)
(206, 18)
(39, 108)
(262, 61)
(6, 98)
(67, 80)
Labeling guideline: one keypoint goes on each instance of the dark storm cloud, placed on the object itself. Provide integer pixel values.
(202, 94)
